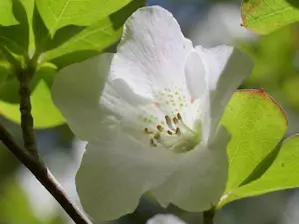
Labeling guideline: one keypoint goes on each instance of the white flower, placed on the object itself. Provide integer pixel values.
(150, 114)
(165, 219)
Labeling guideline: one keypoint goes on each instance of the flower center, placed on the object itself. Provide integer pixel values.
(175, 134)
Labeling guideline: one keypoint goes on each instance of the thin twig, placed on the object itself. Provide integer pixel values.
(44, 176)
(208, 216)
(25, 76)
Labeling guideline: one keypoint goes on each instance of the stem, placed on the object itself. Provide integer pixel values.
(44, 176)
(25, 76)
(29, 155)
(208, 216)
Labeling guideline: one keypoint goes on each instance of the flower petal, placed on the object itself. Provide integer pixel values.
(226, 68)
(85, 94)
(199, 181)
(195, 75)
(116, 170)
(76, 91)
(152, 52)
(164, 219)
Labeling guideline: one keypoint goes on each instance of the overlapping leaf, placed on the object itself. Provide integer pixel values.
(282, 174)
(93, 39)
(7, 18)
(60, 13)
(257, 125)
(265, 16)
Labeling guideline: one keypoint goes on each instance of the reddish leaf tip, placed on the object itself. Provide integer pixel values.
(262, 92)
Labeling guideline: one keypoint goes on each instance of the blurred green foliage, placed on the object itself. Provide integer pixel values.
(276, 65)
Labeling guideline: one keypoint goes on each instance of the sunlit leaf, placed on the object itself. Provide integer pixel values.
(7, 18)
(44, 112)
(58, 13)
(256, 124)
(265, 16)
(282, 174)
(91, 40)
(16, 37)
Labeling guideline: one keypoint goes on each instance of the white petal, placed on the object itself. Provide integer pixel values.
(76, 92)
(85, 94)
(116, 170)
(226, 68)
(152, 52)
(195, 75)
(164, 219)
(200, 180)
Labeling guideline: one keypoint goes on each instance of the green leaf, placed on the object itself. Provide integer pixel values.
(5, 70)
(44, 112)
(257, 124)
(282, 174)
(7, 18)
(91, 40)
(57, 13)
(16, 37)
(63, 35)
(265, 16)
(29, 6)
(40, 31)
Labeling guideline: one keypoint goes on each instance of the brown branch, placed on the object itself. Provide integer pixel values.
(24, 77)
(44, 176)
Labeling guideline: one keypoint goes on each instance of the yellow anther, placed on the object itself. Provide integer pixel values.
(169, 132)
(179, 116)
(147, 131)
(160, 128)
(168, 120)
(175, 120)
(177, 131)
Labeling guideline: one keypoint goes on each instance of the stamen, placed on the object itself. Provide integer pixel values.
(147, 131)
(175, 120)
(153, 143)
(168, 121)
(160, 128)
(157, 136)
(177, 131)
(169, 132)
(179, 116)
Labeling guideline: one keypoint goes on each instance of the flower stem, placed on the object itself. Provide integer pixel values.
(208, 216)
(44, 176)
